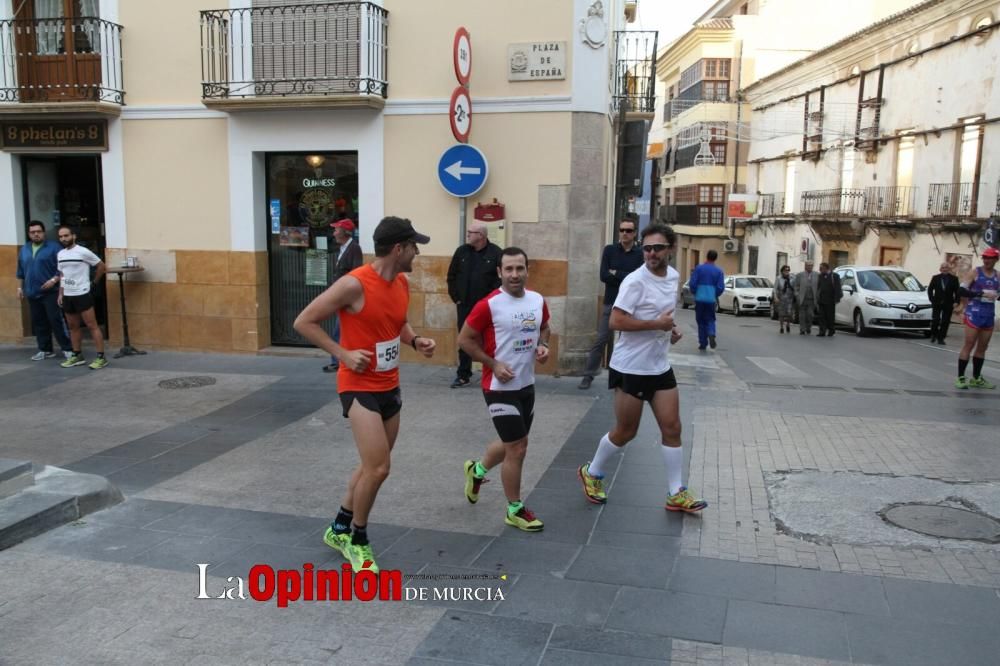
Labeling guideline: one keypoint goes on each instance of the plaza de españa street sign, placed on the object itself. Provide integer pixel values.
(462, 170)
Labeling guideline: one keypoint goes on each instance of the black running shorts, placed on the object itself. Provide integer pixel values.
(386, 403)
(77, 304)
(641, 386)
(512, 412)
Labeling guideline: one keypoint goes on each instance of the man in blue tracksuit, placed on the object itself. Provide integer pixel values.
(37, 269)
(707, 285)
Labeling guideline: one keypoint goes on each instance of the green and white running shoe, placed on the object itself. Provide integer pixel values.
(339, 542)
(962, 383)
(98, 363)
(74, 360)
(981, 382)
(362, 558)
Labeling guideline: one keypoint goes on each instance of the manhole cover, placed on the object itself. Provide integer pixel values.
(186, 382)
(947, 522)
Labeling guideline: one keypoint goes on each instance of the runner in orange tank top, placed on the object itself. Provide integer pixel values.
(372, 302)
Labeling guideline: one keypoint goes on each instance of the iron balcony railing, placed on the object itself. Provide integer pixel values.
(61, 60)
(890, 202)
(772, 204)
(333, 48)
(952, 199)
(840, 202)
(634, 75)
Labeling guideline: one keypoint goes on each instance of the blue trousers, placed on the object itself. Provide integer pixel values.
(47, 321)
(704, 314)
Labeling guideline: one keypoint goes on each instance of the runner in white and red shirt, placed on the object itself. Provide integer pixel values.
(508, 331)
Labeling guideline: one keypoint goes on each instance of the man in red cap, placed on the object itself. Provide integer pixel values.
(349, 258)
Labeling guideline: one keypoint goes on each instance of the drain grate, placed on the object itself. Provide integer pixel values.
(946, 522)
(186, 382)
(880, 391)
(824, 388)
(936, 394)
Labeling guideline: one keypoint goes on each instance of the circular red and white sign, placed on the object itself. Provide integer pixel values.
(462, 56)
(460, 114)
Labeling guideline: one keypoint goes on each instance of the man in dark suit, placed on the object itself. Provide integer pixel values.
(943, 293)
(828, 294)
(348, 258)
(472, 275)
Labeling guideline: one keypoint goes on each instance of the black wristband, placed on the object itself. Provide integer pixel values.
(413, 342)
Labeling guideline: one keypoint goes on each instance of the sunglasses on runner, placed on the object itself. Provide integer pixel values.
(655, 247)
(626, 230)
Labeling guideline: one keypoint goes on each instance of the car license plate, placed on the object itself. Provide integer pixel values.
(911, 316)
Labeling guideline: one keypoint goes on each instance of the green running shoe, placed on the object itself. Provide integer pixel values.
(962, 383)
(593, 487)
(75, 359)
(361, 557)
(339, 542)
(472, 482)
(524, 520)
(98, 363)
(685, 501)
(980, 382)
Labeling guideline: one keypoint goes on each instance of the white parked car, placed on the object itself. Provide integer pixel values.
(746, 294)
(886, 298)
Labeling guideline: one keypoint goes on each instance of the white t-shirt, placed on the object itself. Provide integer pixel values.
(511, 328)
(74, 266)
(645, 296)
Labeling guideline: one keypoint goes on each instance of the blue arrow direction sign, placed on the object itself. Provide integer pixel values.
(463, 170)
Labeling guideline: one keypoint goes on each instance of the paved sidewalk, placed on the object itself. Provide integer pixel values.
(249, 470)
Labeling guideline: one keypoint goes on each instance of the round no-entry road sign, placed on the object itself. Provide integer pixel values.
(462, 55)
(462, 170)
(460, 112)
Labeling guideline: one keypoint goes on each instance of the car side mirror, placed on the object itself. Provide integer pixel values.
(848, 289)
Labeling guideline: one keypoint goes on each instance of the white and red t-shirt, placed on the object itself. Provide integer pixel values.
(510, 328)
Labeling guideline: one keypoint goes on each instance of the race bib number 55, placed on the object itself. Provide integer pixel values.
(387, 355)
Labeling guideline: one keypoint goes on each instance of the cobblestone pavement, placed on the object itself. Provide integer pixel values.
(735, 448)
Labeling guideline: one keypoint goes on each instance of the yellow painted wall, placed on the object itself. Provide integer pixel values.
(177, 184)
(524, 150)
(421, 36)
(161, 44)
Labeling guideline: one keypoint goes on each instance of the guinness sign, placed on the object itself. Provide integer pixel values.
(61, 136)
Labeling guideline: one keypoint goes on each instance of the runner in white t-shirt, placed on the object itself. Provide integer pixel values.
(75, 296)
(640, 370)
(508, 331)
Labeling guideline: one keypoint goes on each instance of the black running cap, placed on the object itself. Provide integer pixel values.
(392, 230)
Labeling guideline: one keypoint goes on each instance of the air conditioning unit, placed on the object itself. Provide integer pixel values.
(730, 245)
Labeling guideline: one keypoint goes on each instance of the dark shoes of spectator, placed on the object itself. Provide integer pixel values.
(711, 341)
(333, 367)
(460, 382)
(585, 382)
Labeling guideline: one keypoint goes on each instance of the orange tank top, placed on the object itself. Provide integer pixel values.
(376, 328)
